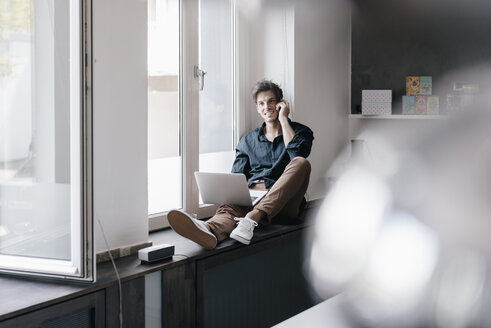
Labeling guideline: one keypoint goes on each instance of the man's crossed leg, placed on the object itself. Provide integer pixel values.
(238, 222)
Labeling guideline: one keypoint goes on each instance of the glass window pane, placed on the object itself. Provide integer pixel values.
(164, 156)
(217, 97)
(37, 129)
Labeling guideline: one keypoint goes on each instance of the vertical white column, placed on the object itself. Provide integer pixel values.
(64, 80)
(44, 104)
(74, 147)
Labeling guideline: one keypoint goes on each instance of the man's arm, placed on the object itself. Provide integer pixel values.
(301, 143)
(241, 162)
(283, 108)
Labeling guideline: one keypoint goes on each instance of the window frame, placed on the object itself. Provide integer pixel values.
(81, 266)
(189, 101)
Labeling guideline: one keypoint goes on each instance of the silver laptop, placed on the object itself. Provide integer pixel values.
(226, 188)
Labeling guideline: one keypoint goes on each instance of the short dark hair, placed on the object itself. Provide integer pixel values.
(267, 85)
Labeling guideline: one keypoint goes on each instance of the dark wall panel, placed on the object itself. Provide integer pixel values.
(394, 39)
(133, 306)
(179, 296)
(256, 290)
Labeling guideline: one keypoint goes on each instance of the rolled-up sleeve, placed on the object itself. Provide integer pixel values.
(301, 144)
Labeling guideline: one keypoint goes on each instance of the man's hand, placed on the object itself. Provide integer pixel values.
(283, 108)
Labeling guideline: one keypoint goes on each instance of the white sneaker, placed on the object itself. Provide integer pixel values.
(191, 228)
(244, 231)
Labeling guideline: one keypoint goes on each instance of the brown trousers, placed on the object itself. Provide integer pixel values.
(284, 198)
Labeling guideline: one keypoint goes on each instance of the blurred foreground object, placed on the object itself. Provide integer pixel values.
(404, 232)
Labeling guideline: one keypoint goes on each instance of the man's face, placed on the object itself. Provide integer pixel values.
(266, 105)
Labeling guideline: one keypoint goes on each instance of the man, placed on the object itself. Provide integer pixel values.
(273, 158)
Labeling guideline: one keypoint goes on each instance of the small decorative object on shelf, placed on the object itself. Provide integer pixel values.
(413, 85)
(376, 102)
(408, 105)
(432, 105)
(426, 86)
(418, 99)
(420, 105)
(462, 97)
(465, 88)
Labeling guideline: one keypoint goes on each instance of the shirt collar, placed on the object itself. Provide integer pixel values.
(261, 131)
(261, 135)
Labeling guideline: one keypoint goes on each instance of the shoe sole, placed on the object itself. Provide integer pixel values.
(240, 239)
(185, 227)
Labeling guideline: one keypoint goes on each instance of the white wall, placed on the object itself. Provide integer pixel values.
(379, 135)
(317, 35)
(120, 121)
(322, 80)
(312, 39)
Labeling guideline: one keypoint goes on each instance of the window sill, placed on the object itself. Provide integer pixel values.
(21, 295)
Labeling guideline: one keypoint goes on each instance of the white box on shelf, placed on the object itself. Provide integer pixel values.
(376, 102)
(376, 108)
(376, 96)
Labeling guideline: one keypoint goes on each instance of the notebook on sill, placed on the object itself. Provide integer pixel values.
(226, 188)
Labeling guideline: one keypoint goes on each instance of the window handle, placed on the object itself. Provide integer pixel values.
(198, 73)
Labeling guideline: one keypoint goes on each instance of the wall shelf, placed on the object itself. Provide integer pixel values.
(397, 117)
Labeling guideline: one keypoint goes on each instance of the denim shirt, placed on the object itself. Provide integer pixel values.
(260, 159)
